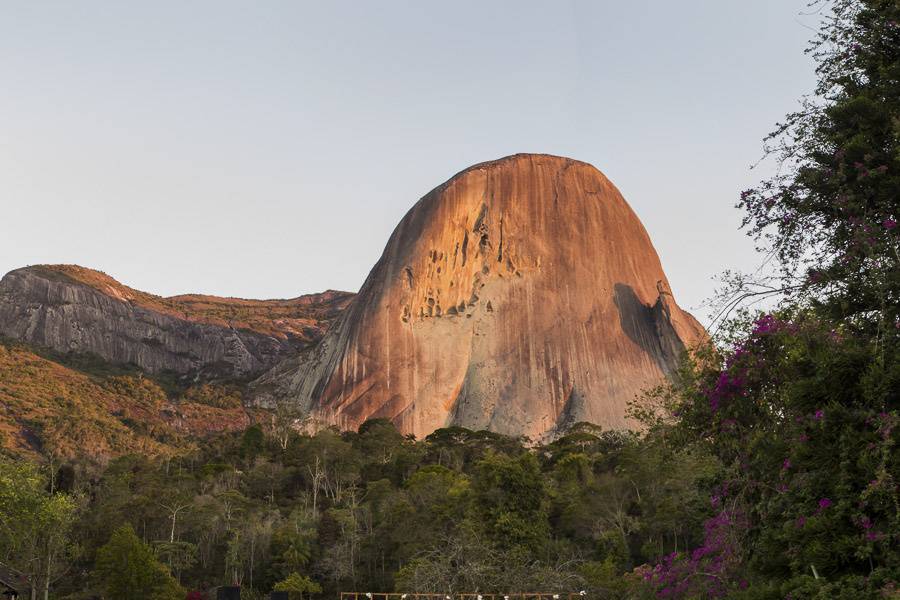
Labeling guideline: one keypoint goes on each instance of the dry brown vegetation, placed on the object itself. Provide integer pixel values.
(47, 407)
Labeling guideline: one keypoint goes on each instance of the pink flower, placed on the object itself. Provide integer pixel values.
(889, 223)
(819, 415)
(825, 503)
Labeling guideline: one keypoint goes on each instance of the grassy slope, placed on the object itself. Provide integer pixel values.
(90, 409)
(69, 405)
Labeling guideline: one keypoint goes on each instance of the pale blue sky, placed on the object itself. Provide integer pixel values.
(267, 149)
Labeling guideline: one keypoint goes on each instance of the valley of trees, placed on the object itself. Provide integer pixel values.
(767, 468)
(368, 510)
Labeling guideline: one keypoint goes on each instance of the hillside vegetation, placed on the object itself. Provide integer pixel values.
(81, 406)
(375, 510)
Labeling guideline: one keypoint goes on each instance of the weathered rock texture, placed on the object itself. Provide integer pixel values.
(521, 295)
(73, 309)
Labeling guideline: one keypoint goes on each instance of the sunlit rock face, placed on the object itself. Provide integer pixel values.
(521, 295)
(69, 308)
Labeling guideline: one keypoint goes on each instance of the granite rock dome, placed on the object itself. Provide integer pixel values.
(520, 296)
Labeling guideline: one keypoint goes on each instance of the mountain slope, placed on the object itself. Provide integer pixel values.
(73, 309)
(53, 408)
(520, 296)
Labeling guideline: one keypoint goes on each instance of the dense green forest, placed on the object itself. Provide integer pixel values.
(767, 468)
(373, 510)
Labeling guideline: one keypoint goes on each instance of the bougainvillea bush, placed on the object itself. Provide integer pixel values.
(830, 216)
(801, 405)
(804, 418)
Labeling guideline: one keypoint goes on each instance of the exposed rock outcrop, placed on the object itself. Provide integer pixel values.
(73, 309)
(521, 295)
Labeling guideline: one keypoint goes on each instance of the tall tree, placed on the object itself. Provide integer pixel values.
(830, 216)
(34, 526)
(127, 569)
(298, 585)
(801, 406)
(509, 500)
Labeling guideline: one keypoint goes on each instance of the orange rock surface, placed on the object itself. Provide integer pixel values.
(520, 296)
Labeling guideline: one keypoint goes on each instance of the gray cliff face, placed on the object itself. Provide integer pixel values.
(69, 316)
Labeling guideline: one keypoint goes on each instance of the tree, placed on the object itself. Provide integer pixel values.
(438, 500)
(127, 569)
(249, 545)
(287, 418)
(509, 500)
(379, 439)
(298, 585)
(253, 441)
(806, 429)
(466, 561)
(177, 555)
(459, 562)
(34, 526)
(830, 216)
(293, 542)
(173, 508)
(801, 405)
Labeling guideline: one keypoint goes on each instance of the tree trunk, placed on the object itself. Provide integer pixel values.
(49, 566)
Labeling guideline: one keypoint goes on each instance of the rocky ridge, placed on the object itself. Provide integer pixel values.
(73, 309)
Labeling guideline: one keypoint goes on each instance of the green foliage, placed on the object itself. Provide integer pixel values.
(253, 440)
(831, 214)
(177, 555)
(801, 406)
(299, 584)
(35, 524)
(808, 435)
(509, 500)
(376, 510)
(126, 568)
